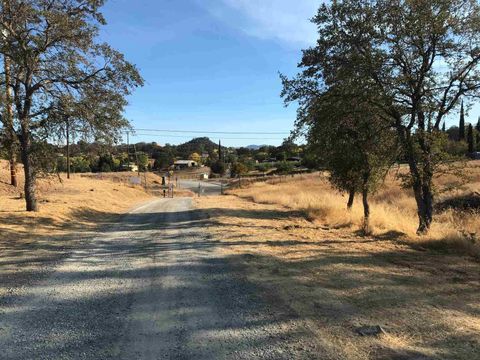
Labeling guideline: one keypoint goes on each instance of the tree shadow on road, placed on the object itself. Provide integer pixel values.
(237, 297)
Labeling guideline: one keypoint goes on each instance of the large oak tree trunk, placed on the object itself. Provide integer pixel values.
(13, 169)
(28, 166)
(422, 184)
(9, 121)
(351, 198)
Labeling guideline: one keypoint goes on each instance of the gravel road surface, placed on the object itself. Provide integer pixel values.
(206, 188)
(153, 286)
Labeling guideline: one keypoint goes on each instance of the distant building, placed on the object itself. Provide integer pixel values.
(294, 159)
(131, 167)
(184, 164)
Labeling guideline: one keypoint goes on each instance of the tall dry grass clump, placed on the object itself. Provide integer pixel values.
(393, 208)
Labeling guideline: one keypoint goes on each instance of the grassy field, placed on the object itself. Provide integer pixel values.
(66, 208)
(295, 239)
(393, 207)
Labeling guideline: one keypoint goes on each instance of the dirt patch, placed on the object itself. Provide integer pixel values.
(427, 302)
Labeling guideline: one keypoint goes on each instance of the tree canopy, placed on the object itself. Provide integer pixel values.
(55, 55)
(418, 57)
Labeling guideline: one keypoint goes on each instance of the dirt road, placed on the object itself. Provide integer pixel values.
(205, 188)
(153, 286)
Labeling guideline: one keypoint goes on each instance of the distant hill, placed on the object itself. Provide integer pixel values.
(198, 145)
(254, 147)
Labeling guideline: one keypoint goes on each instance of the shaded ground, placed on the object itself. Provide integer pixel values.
(148, 285)
(427, 301)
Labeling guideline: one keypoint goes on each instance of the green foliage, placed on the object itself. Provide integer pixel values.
(197, 145)
(218, 167)
(238, 169)
(162, 160)
(284, 167)
(80, 164)
(385, 54)
(456, 149)
(264, 167)
(261, 156)
(142, 160)
(105, 163)
(311, 159)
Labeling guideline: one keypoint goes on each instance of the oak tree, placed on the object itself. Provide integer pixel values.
(54, 50)
(421, 57)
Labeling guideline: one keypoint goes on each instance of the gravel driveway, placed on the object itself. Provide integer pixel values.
(154, 286)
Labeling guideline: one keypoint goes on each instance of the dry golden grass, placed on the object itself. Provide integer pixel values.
(64, 204)
(393, 208)
(336, 281)
(70, 213)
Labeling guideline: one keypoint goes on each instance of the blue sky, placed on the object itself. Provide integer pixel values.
(211, 65)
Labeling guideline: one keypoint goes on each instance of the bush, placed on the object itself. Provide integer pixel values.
(218, 167)
(239, 169)
(264, 167)
(284, 167)
(80, 165)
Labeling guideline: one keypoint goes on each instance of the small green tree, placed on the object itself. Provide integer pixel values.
(218, 167)
(284, 167)
(163, 160)
(142, 160)
(238, 168)
(349, 138)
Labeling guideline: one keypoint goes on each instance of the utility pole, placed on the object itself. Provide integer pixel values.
(136, 159)
(9, 110)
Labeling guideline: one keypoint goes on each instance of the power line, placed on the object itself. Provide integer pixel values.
(189, 137)
(217, 132)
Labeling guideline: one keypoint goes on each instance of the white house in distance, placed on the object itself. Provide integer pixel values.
(184, 164)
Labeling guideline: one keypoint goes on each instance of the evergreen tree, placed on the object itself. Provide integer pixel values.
(444, 129)
(470, 139)
(461, 126)
(477, 127)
